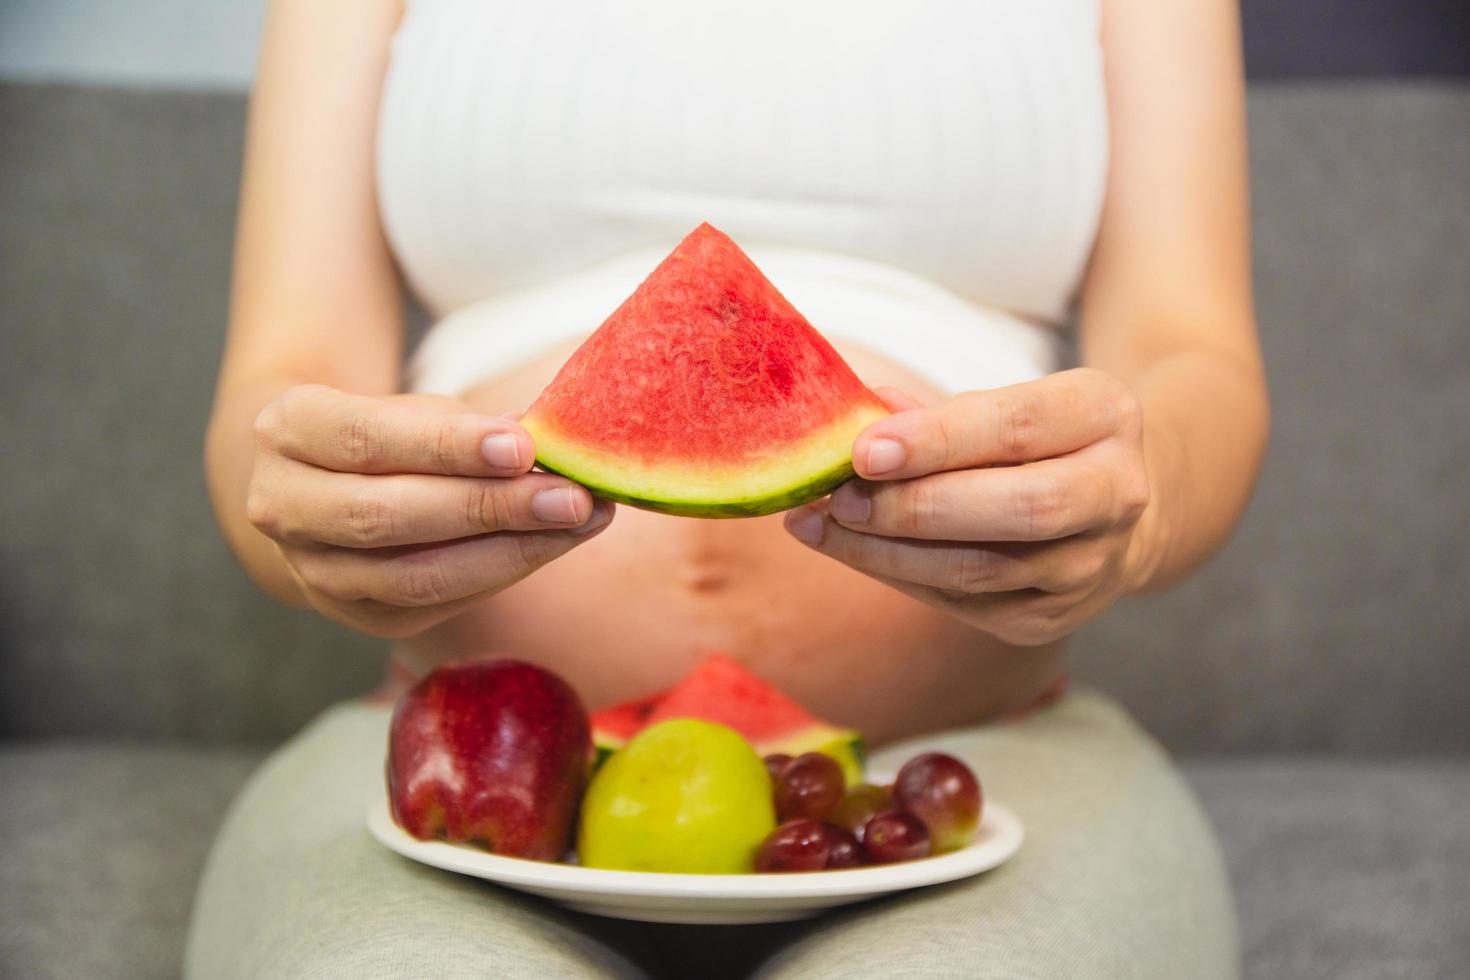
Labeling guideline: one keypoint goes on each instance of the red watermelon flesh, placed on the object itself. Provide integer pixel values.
(623, 721)
(721, 689)
(705, 393)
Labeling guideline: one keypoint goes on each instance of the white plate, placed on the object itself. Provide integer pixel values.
(709, 899)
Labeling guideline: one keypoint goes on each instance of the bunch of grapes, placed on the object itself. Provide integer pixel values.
(932, 807)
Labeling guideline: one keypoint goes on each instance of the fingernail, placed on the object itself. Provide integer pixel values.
(850, 505)
(502, 450)
(884, 455)
(805, 525)
(557, 506)
(600, 518)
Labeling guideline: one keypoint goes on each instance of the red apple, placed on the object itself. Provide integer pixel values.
(491, 752)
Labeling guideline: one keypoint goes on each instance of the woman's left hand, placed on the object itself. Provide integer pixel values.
(1014, 509)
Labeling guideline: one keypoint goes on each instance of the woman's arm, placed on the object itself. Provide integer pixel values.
(1026, 510)
(1166, 306)
(388, 513)
(315, 297)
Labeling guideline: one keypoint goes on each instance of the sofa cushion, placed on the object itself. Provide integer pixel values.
(1344, 869)
(1341, 870)
(100, 848)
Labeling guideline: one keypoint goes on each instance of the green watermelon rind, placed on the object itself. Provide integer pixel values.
(845, 745)
(759, 506)
(601, 753)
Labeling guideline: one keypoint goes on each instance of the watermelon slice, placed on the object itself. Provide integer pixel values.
(705, 394)
(720, 689)
(618, 723)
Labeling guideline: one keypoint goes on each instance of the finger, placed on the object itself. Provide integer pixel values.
(954, 568)
(1026, 617)
(1036, 420)
(1054, 498)
(357, 434)
(355, 511)
(1022, 617)
(442, 573)
(394, 622)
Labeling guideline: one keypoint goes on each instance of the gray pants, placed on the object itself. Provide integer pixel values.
(1120, 877)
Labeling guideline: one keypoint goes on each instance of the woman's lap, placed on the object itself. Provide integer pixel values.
(295, 887)
(1119, 877)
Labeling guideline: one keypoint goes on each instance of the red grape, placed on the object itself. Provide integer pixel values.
(809, 787)
(858, 807)
(895, 836)
(776, 764)
(797, 845)
(942, 792)
(843, 850)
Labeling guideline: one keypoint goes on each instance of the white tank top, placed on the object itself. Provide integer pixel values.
(924, 178)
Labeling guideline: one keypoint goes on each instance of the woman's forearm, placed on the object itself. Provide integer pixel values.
(228, 461)
(1205, 426)
(1166, 306)
(315, 295)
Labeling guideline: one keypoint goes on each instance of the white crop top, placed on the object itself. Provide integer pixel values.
(923, 177)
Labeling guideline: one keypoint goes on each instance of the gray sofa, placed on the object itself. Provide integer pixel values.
(1314, 680)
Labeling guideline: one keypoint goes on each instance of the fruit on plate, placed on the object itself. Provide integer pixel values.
(859, 805)
(796, 845)
(809, 787)
(493, 753)
(683, 796)
(615, 724)
(896, 836)
(704, 394)
(932, 807)
(942, 792)
(843, 850)
(720, 689)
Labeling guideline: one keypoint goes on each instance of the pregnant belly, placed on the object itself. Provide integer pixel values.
(632, 609)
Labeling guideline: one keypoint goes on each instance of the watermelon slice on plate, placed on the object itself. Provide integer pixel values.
(705, 394)
(613, 726)
(720, 689)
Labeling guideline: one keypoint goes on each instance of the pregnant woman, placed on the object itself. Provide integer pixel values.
(941, 187)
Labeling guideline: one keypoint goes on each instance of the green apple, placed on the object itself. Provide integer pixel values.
(683, 796)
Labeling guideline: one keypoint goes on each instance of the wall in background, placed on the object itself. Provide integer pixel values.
(212, 43)
(1355, 38)
(171, 43)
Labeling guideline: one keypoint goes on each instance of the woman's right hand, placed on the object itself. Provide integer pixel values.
(396, 513)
